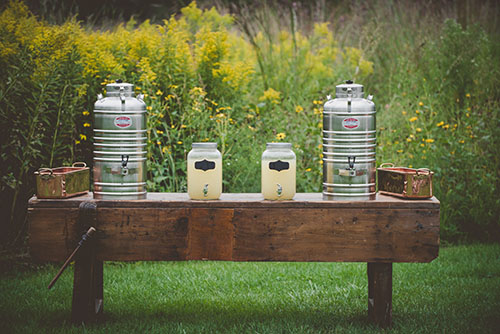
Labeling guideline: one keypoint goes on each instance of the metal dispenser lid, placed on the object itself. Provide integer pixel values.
(115, 88)
(349, 89)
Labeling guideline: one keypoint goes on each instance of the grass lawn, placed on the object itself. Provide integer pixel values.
(457, 293)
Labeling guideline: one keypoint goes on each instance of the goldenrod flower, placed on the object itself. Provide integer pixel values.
(298, 109)
(280, 136)
(429, 140)
(85, 113)
(86, 125)
(413, 119)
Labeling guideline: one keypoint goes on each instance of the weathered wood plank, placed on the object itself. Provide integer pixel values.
(244, 234)
(252, 200)
(380, 293)
(52, 233)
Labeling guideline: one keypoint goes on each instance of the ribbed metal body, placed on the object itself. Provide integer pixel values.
(349, 142)
(120, 144)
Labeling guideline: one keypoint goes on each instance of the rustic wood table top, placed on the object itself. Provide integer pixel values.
(242, 227)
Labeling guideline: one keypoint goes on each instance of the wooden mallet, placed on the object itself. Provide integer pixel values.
(85, 237)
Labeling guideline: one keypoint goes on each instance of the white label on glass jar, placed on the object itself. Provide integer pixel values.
(350, 123)
(123, 122)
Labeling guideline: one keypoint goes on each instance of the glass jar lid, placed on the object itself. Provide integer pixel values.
(205, 145)
(286, 146)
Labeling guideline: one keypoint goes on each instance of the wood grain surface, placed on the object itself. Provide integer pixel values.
(242, 227)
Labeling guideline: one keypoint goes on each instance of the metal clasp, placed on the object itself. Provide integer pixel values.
(349, 99)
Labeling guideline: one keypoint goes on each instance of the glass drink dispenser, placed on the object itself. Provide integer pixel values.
(278, 171)
(204, 171)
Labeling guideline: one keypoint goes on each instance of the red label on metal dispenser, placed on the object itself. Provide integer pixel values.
(123, 121)
(350, 123)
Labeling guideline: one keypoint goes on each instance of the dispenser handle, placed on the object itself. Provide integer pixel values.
(351, 164)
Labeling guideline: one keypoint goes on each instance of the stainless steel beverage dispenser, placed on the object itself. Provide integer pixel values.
(349, 141)
(120, 144)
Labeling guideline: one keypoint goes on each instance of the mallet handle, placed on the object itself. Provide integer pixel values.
(85, 237)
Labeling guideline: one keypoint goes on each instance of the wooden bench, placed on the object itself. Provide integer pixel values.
(238, 227)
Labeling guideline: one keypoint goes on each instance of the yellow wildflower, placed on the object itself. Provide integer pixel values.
(280, 136)
(400, 151)
(408, 139)
(404, 112)
(462, 141)
(83, 137)
(321, 162)
(421, 103)
(159, 92)
(440, 123)
(446, 126)
(85, 113)
(413, 119)
(411, 166)
(417, 111)
(467, 95)
(172, 126)
(179, 142)
(165, 149)
(467, 114)
(308, 169)
(419, 130)
(158, 142)
(149, 108)
(298, 109)
(183, 126)
(77, 142)
(271, 95)
(422, 145)
(452, 152)
(468, 109)
(159, 132)
(86, 125)
(429, 140)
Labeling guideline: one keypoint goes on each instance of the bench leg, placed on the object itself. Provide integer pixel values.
(88, 273)
(380, 293)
